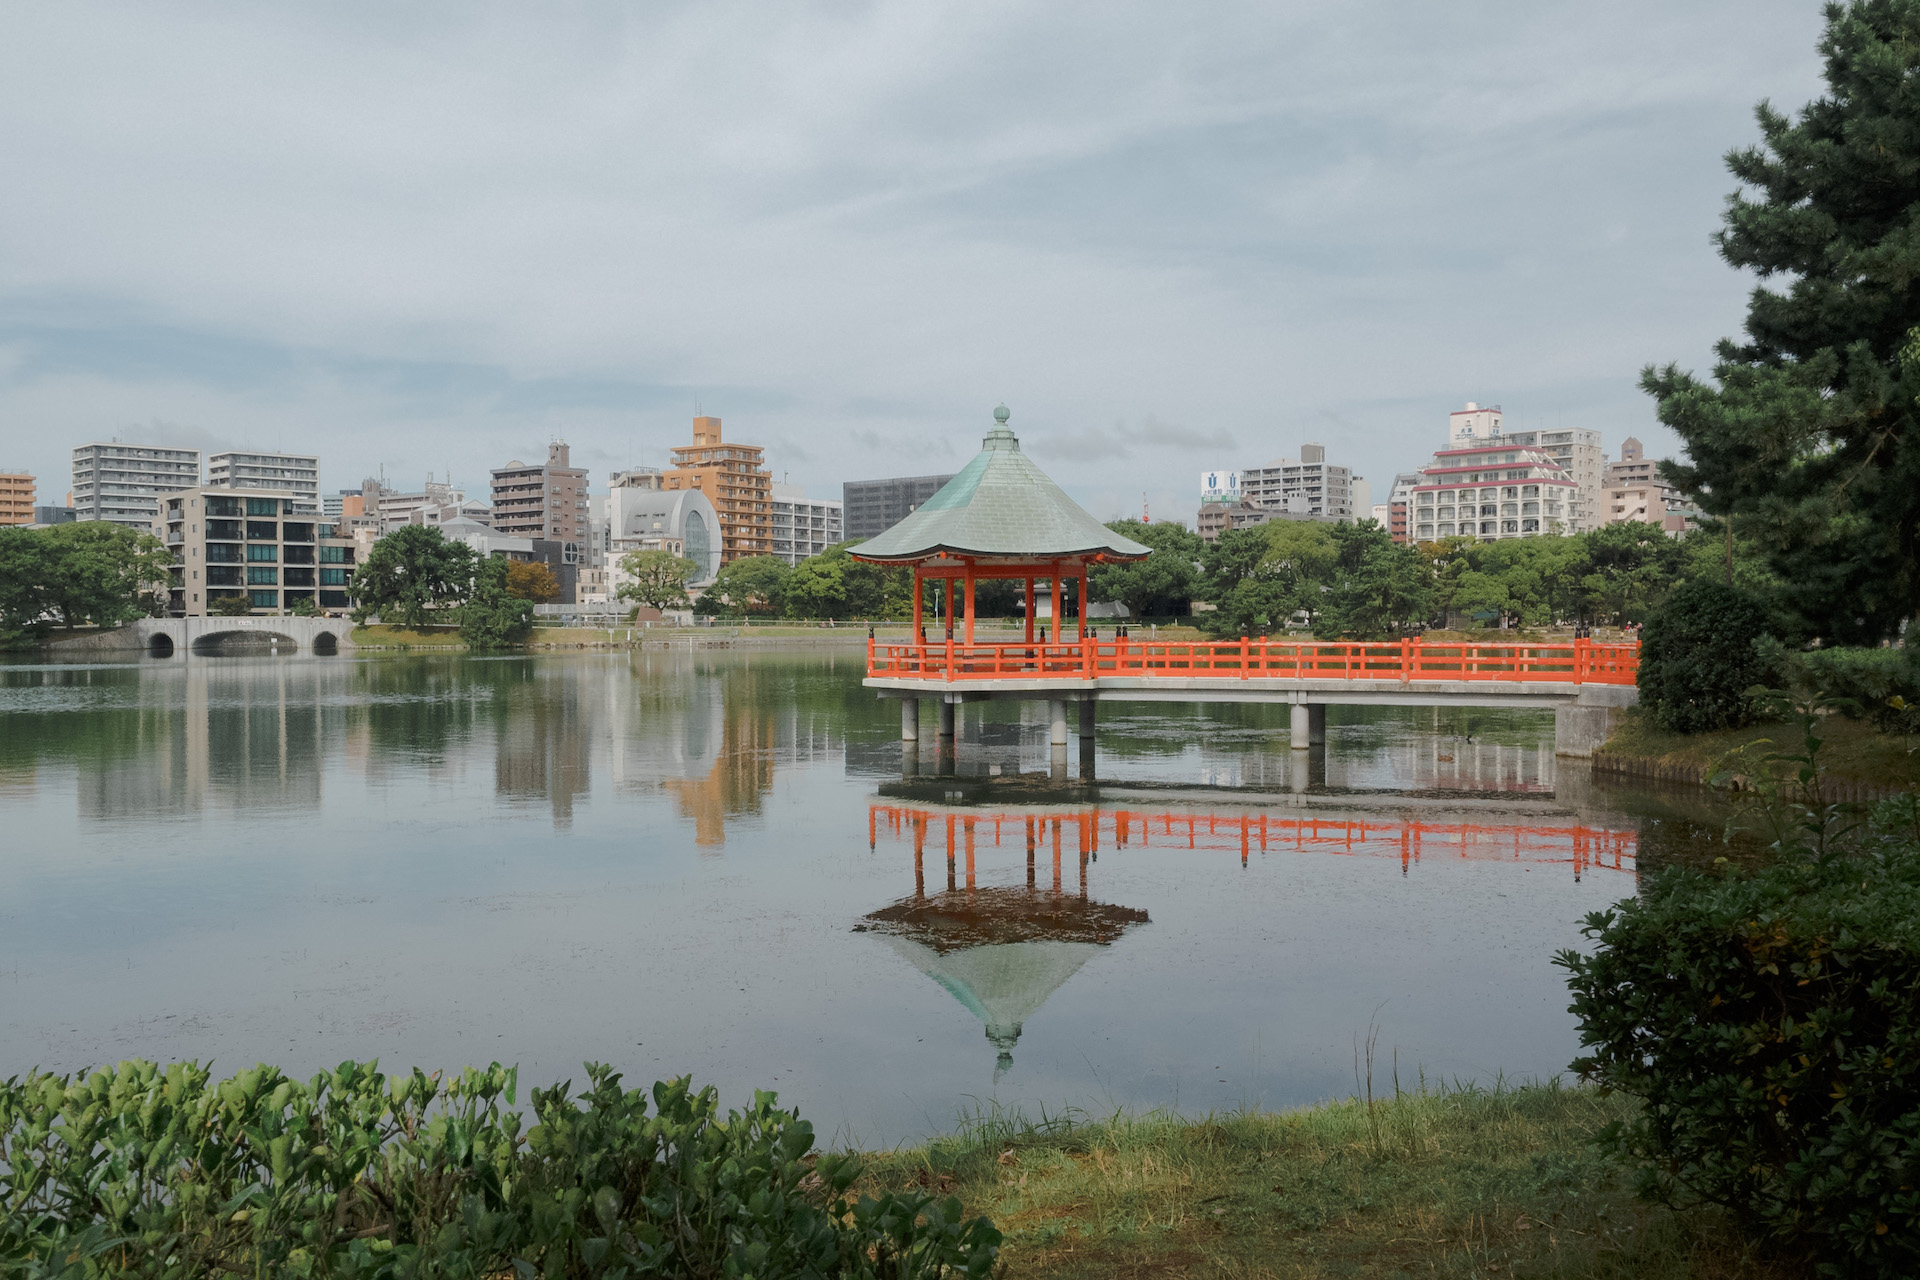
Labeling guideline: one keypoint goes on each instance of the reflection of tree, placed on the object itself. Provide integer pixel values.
(1000, 951)
(418, 709)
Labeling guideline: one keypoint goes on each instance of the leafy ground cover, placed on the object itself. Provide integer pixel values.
(1453, 1183)
(1852, 750)
(380, 634)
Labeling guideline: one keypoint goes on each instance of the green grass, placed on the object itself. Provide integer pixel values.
(442, 637)
(1453, 1183)
(1851, 750)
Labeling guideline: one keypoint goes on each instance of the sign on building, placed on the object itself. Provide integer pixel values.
(1219, 486)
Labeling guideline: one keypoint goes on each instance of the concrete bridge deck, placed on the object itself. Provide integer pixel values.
(1584, 683)
(163, 637)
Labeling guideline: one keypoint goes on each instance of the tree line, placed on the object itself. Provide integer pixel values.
(89, 573)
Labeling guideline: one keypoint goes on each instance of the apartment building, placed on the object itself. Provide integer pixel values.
(16, 498)
(1305, 486)
(124, 483)
(803, 526)
(869, 508)
(297, 474)
(1633, 490)
(435, 503)
(732, 478)
(1581, 455)
(254, 543)
(543, 502)
(1490, 492)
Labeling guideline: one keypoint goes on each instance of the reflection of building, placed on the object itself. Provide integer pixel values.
(998, 950)
(742, 772)
(544, 744)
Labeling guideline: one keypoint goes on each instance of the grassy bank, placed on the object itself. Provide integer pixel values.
(1451, 1183)
(385, 637)
(1853, 752)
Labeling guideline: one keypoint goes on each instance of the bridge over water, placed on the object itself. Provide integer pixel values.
(1583, 682)
(164, 637)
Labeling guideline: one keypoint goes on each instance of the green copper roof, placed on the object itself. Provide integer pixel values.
(1000, 505)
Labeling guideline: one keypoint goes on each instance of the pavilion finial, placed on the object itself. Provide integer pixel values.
(1001, 414)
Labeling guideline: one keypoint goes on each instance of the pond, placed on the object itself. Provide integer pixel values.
(724, 863)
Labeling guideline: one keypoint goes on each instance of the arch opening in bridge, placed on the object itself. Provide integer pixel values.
(326, 642)
(160, 646)
(249, 642)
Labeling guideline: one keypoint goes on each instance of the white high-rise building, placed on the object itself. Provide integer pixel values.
(290, 473)
(803, 526)
(124, 483)
(1579, 452)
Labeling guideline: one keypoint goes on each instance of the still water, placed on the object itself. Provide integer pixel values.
(714, 863)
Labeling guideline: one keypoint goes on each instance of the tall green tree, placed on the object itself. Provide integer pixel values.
(1378, 588)
(1806, 437)
(88, 572)
(1626, 568)
(749, 585)
(1265, 574)
(412, 574)
(494, 615)
(835, 585)
(1162, 584)
(657, 579)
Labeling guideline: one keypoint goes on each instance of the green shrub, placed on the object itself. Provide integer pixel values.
(1771, 1024)
(1698, 658)
(1865, 682)
(162, 1172)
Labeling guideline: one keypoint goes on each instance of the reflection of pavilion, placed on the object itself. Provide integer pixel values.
(999, 950)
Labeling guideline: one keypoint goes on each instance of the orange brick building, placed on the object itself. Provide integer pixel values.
(16, 498)
(731, 478)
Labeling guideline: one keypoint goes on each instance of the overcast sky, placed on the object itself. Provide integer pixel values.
(1170, 237)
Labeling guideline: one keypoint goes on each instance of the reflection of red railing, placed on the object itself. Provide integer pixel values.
(1573, 662)
(1578, 846)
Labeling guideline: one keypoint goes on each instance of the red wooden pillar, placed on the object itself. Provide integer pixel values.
(949, 609)
(919, 621)
(1029, 608)
(969, 602)
(1080, 597)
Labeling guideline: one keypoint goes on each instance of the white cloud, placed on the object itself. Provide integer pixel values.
(431, 235)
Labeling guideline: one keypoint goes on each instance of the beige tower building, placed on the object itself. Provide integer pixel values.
(546, 503)
(731, 477)
(16, 498)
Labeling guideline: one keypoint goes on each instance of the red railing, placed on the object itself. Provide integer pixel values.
(1578, 846)
(1568, 662)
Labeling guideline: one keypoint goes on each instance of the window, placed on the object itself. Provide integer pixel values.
(336, 555)
(262, 577)
(267, 553)
(299, 555)
(222, 507)
(223, 575)
(297, 532)
(299, 578)
(224, 552)
(262, 531)
(334, 577)
(225, 529)
(264, 599)
(333, 599)
(262, 507)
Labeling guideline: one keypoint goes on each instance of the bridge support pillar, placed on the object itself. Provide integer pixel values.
(1580, 731)
(910, 720)
(946, 719)
(1086, 721)
(1057, 722)
(1316, 724)
(1299, 728)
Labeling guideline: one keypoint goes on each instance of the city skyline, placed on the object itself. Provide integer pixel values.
(1230, 232)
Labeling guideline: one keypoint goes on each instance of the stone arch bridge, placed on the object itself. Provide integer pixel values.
(164, 637)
